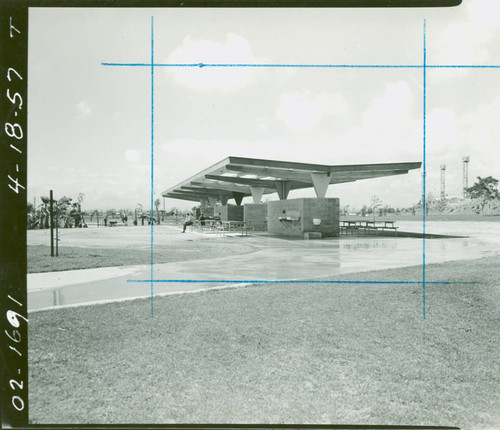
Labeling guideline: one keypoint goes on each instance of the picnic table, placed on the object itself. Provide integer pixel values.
(208, 224)
(367, 226)
(113, 222)
(234, 226)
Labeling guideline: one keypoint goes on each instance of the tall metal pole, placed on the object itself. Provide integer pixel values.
(57, 232)
(51, 209)
(466, 160)
(443, 189)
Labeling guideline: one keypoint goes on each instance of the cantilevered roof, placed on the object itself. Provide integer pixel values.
(237, 177)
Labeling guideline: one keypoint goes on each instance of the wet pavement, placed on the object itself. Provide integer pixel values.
(274, 259)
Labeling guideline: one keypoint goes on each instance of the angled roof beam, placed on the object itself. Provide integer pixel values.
(279, 164)
(366, 173)
(217, 167)
(375, 167)
(182, 197)
(222, 187)
(336, 179)
(265, 183)
(195, 196)
(206, 191)
(274, 173)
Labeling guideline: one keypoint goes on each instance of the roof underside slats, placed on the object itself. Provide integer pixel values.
(236, 176)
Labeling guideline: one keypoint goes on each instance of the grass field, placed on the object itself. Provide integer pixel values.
(283, 353)
(72, 257)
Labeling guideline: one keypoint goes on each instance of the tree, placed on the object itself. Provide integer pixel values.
(63, 212)
(484, 190)
(44, 212)
(31, 212)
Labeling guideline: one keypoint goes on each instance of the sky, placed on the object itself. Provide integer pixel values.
(89, 128)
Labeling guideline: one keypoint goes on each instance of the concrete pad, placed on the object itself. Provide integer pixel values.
(276, 259)
(116, 237)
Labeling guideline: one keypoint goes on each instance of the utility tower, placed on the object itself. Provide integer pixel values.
(465, 161)
(443, 190)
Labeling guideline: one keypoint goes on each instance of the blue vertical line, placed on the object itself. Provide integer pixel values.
(424, 166)
(152, 155)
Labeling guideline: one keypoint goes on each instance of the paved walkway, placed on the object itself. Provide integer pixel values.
(276, 259)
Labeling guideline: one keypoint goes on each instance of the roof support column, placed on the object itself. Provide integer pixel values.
(238, 197)
(223, 199)
(257, 193)
(283, 188)
(204, 202)
(320, 182)
(212, 201)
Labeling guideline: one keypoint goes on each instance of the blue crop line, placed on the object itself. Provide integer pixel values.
(300, 66)
(319, 66)
(461, 66)
(258, 281)
(297, 66)
(424, 69)
(152, 157)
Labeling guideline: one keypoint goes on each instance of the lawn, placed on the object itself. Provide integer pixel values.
(72, 257)
(282, 353)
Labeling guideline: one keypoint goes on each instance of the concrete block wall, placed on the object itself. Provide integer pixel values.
(284, 208)
(325, 209)
(301, 213)
(229, 212)
(256, 215)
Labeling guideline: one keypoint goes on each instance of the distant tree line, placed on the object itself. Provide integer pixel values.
(67, 213)
(484, 193)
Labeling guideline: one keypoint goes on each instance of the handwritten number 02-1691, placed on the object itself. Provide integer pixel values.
(16, 321)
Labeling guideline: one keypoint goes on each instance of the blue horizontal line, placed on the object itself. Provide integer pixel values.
(305, 66)
(128, 64)
(462, 66)
(201, 65)
(255, 281)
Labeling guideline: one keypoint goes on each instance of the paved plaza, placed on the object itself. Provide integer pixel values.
(273, 259)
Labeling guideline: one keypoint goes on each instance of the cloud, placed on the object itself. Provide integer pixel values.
(391, 108)
(443, 132)
(133, 155)
(302, 112)
(83, 109)
(234, 50)
(389, 129)
(467, 41)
